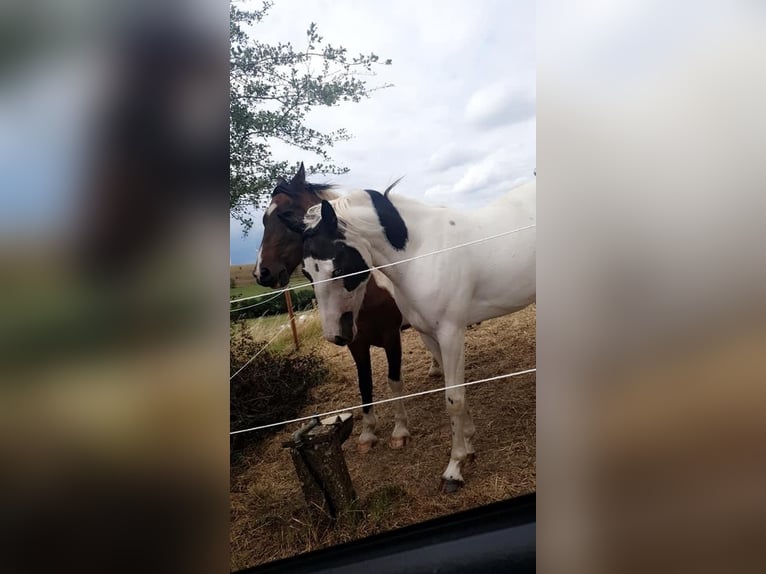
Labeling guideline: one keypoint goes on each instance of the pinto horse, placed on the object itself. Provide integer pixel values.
(379, 320)
(440, 294)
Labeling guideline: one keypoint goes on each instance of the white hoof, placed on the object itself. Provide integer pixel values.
(398, 442)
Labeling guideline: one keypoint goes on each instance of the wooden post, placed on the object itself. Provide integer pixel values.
(289, 302)
(321, 467)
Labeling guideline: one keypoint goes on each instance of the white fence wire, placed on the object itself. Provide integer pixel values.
(256, 304)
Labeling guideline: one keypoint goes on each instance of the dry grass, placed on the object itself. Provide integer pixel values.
(242, 274)
(398, 488)
(307, 324)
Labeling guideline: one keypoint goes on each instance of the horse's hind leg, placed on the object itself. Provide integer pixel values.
(361, 354)
(400, 435)
(436, 369)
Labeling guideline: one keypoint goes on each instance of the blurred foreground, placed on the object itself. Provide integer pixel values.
(113, 268)
(652, 287)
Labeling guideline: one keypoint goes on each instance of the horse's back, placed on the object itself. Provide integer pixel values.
(484, 279)
(504, 268)
(519, 205)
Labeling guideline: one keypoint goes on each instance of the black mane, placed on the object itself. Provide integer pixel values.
(316, 188)
(312, 188)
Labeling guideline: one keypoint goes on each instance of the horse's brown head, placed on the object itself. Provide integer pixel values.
(282, 249)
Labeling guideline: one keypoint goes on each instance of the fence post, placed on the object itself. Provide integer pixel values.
(289, 302)
(321, 467)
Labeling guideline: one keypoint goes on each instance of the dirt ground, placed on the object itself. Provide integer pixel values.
(398, 487)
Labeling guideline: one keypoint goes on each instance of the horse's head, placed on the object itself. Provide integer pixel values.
(281, 250)
(328, 254)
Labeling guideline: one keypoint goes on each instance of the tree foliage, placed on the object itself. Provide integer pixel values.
(272, 89)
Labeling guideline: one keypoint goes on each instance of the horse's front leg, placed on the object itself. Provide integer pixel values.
(449, 350)
(393, 347)
(452, 345)
(361, 353)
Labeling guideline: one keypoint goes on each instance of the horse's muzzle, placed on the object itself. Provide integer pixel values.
(269, 279)
(346, 329)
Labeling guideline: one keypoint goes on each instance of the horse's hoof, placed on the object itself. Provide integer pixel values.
(398, 442)
(364, 447)
(435, 373)
(450, 485)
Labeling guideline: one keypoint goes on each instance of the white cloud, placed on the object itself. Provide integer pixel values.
(486, 178)
(499, 104)
(450, 156)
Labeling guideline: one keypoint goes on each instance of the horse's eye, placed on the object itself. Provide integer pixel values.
(337, 272)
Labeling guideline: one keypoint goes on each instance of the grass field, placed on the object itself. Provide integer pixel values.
(267, 327)
(245, 285)
(394, 487)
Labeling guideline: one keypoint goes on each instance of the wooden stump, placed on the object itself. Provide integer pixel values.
(321, 467)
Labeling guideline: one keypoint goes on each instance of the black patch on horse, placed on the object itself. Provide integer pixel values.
(392, 223)
(319, 247)
(345, 259)
(349, 260)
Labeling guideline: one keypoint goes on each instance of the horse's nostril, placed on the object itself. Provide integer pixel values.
(264, 278)
(340, 341)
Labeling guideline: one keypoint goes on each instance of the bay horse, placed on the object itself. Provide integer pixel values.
(440, 294)
(379, 320)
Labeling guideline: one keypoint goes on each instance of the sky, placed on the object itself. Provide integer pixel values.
(459, 123)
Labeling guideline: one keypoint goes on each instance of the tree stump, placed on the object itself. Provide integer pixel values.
(320, 465)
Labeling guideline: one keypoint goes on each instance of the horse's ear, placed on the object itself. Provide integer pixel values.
(329, 219)
(292, 222)
(300, 178)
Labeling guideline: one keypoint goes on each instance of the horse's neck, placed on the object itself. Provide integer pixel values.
(419, 218)
(327, 194)
(424, 224)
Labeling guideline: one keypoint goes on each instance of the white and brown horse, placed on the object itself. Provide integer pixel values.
(440, 294)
